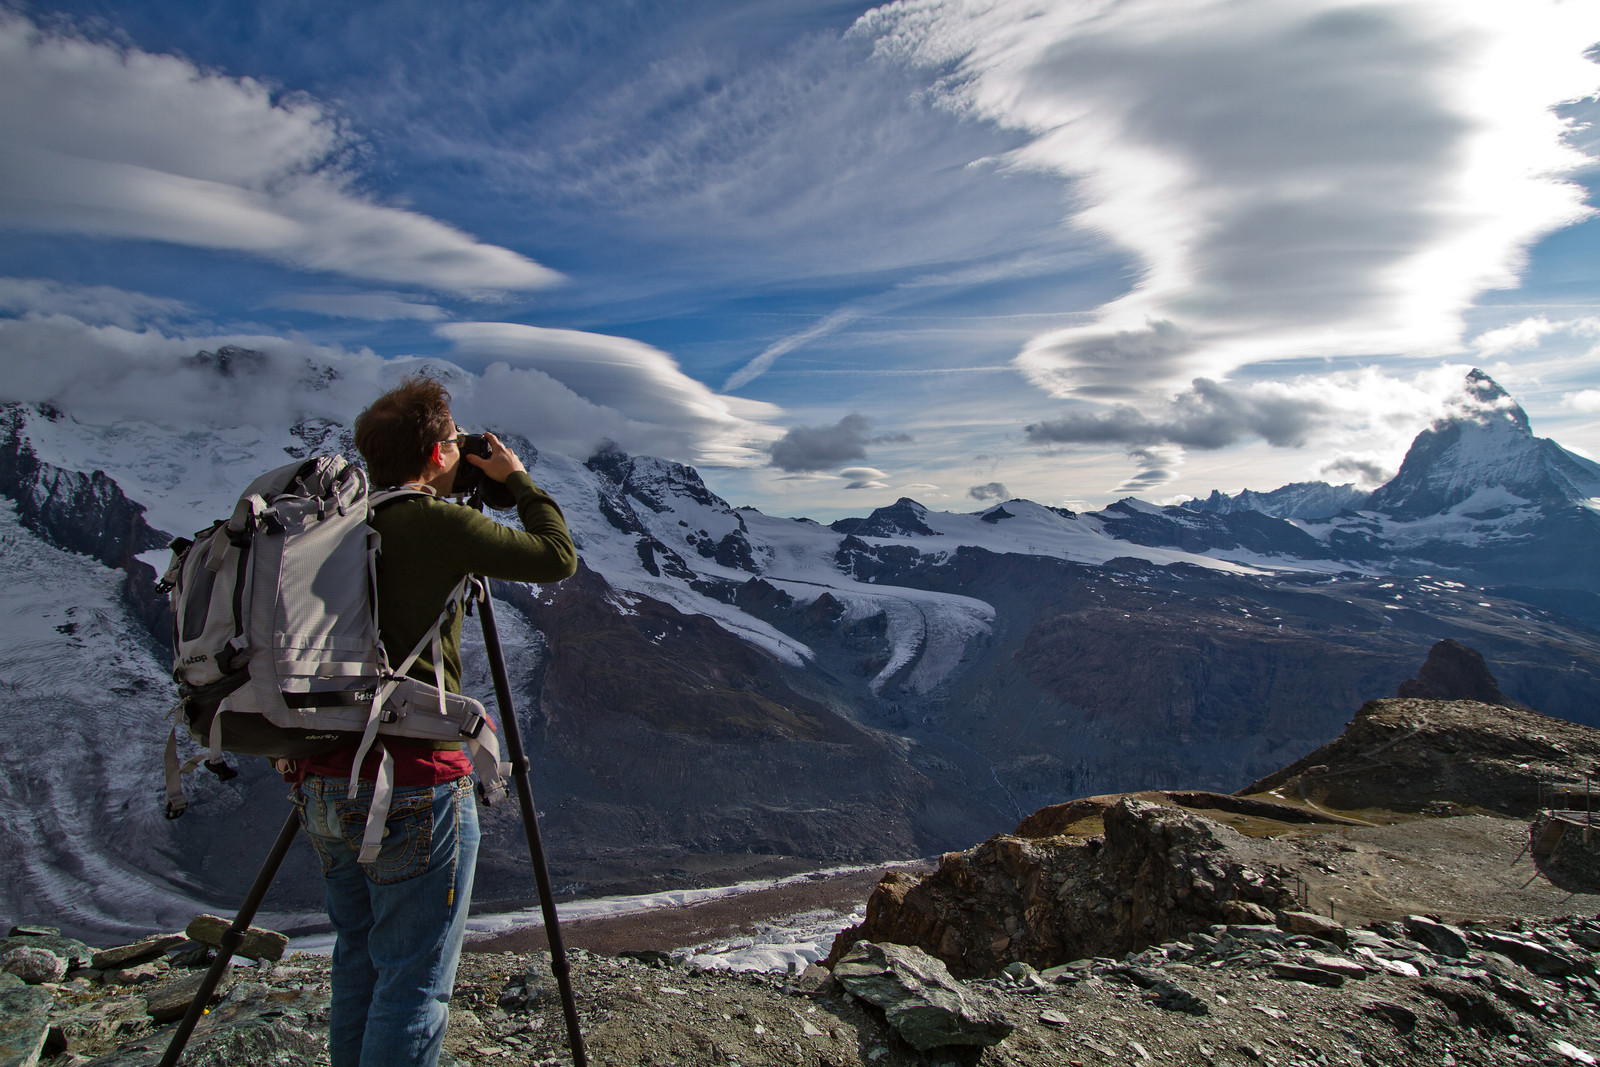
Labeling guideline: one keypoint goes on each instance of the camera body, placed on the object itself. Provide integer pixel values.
(470, 481)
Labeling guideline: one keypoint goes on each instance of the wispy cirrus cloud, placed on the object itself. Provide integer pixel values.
(1292, 180)
(111, 141)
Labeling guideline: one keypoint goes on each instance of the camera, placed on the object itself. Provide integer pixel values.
(470, 481)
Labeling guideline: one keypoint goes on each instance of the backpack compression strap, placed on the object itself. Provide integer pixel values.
(383, 788)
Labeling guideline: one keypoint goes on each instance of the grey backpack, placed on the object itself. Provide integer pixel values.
(275, 639)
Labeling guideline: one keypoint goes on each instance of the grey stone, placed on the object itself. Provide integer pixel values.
(258, 943)
(1442, 938)
(918, 996)
(24, 1025)
(110, 959)
(34, 965)
(1318, 926)
(35, 931)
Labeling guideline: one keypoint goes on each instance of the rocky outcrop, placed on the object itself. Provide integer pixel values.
(1455, 672)
(84, 513)
(1158, 873)
(1408, 755)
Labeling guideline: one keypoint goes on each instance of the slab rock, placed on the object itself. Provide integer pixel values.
(258, 943)
(918, 996)
(110, 959)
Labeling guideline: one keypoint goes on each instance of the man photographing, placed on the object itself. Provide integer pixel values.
(399, 920)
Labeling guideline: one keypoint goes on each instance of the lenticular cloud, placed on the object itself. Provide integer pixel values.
(121, 143)
(1292, 180)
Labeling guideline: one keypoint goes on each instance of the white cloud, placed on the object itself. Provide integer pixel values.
(1318, 178)
(99, 304)
(116, 142)
(665, 411)
(1585, 400)
(111, 374)
(374, 307)
(1530, 333)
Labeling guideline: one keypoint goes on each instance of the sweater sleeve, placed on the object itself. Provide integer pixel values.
(473, 543)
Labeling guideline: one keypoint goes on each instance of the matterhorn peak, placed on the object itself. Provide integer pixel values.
(1490, 400)
(1486, 448)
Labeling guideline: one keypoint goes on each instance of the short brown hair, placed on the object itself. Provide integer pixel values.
(398, 431)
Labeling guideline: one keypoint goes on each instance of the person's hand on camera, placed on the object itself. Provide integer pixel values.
(502, 462)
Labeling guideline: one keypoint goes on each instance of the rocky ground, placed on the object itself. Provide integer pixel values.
(1519, 985)
(1275, 929)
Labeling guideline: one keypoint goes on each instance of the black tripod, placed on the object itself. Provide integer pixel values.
(530, 823)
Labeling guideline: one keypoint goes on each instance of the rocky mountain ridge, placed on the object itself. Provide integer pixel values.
(723, 694)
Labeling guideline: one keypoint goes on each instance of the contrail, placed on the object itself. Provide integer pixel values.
(769, 355)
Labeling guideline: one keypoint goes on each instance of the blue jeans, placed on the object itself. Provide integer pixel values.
(399, 921)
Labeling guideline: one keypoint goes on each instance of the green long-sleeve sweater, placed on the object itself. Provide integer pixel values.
(427, 546)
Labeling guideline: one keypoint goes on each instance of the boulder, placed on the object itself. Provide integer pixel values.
(75, 952)
(1440, 938)
(918, 996)
(34, 965)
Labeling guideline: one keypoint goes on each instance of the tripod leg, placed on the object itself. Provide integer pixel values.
(233, 938)
(530, 822)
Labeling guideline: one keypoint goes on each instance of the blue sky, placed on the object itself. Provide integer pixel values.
(830, 254)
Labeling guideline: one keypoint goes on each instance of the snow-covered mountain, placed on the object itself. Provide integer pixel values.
(1483, 461)
(719, 688)
(1297, 500)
